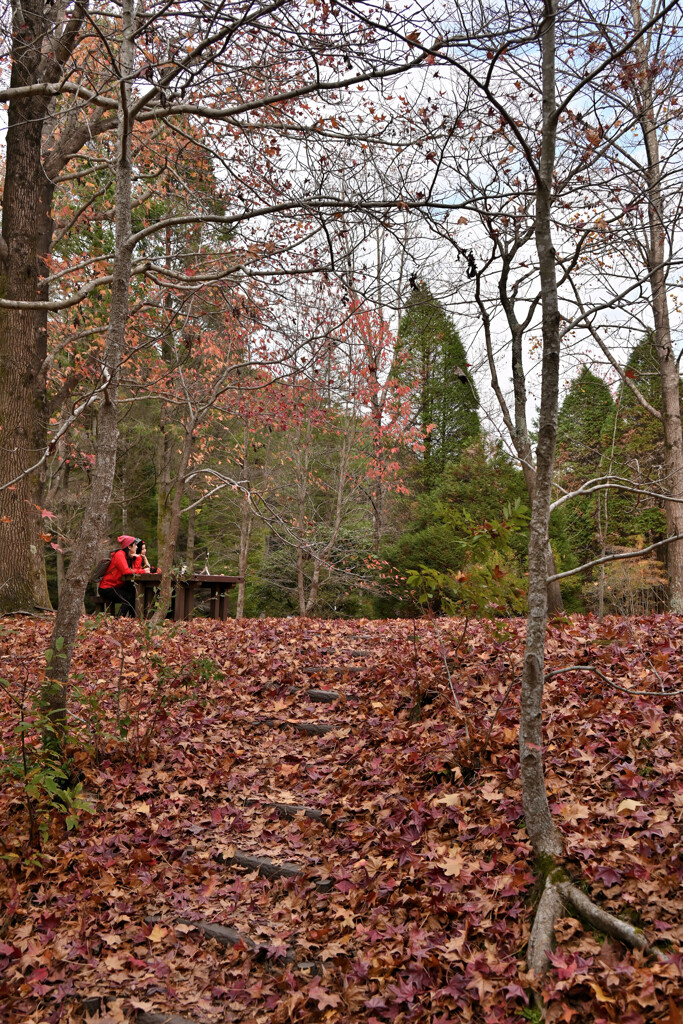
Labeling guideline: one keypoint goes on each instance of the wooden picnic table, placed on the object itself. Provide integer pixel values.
(185, 588)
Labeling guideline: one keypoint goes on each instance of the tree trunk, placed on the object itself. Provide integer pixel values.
(170, 525)
(542, 832)
(189, 547)
(245, 528)
(22, 566)
(95, 519)
(41, 46)
(245, 538)
(517, 428)
(668, 366)
(124, 498)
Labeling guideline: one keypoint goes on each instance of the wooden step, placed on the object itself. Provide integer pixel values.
(310, 728)
(266, 867)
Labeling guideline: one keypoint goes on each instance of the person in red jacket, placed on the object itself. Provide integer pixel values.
(116, 585)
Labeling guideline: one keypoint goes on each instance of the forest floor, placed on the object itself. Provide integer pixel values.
(393, 878)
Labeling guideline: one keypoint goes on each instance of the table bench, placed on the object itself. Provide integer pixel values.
(184, 591)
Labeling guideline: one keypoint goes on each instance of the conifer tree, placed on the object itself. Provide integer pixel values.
(581, 438)
(638, 452)
(445, 398)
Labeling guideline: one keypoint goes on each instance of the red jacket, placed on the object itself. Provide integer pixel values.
(139, 567)
(117, 572)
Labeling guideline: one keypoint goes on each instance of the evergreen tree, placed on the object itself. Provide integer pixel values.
(445, 399)
(638, 452)
(482, 482)
(587, 408)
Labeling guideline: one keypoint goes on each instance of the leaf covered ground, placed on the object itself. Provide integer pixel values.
(416, 889)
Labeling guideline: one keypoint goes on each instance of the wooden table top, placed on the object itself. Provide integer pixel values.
(196, 577)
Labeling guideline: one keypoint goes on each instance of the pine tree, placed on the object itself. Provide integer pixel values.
(444, 396)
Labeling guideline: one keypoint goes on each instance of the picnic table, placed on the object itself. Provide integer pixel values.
(185, 589)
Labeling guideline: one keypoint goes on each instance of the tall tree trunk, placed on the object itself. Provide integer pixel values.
(542, 832)
(245, 529)
(124, 498)
(300, 580)
(668, 365)
(164, 486)
(170, 525)
(245, 539)
(189, 547)
(41, 46)
(302, 450)
(95, 519)
(22, 570)
(517, 427)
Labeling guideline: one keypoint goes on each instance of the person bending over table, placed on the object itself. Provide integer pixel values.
(117, 584)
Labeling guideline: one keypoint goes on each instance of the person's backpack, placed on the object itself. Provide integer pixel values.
(99, 571)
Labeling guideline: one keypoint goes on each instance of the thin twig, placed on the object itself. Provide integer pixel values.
(450, 681)
(610, 682)
(495, 717)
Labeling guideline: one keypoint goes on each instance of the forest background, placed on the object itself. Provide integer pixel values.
(296, 402)
(289, 289)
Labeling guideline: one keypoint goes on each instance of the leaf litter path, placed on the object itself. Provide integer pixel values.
(409, 886)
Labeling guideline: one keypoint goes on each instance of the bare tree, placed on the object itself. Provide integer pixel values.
(506, 59)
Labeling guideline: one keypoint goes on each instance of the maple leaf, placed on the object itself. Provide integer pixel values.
(452, 865)
(321, 996)
(675, 1015)
(628, 805)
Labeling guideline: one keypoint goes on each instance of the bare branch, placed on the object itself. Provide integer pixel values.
(637, 553)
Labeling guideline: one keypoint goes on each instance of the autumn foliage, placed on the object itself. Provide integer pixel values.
(415, 889)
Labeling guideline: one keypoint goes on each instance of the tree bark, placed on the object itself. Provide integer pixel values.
(245, 539)
(542, 832)
(668, 366)
(22, 569)
(96, 514)
(42, 43)
(171, 511)
(245, 530)
(189, 547)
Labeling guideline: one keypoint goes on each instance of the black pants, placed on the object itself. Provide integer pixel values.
(125, 593)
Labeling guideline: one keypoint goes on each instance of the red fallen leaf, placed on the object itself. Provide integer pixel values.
(675, 1016)
(630, 373)
(403, 830)
(141, 855)
(515, 991)
(6, 950)
(134, 962)
(344, 885)
(322, 998)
